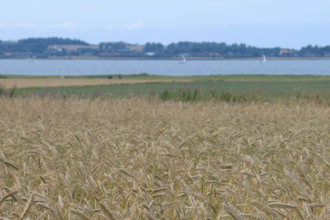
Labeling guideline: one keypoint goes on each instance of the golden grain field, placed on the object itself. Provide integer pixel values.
(140, 159)
(30, 83)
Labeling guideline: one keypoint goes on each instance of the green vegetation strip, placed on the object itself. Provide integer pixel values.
(266, 90)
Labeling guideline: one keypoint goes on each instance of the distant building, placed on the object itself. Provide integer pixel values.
(88, 54)
(135, 48)
(308, 54)
(150, 53)
(286, 52)
(72, 47)
(8, 54)
(127, 50)
(214, 54)
(105, 54)
(205, 54)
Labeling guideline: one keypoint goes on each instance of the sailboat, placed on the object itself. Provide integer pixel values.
(264, 58)
(28, 57)
(183, 60)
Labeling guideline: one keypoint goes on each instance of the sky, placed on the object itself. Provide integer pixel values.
(261, 23)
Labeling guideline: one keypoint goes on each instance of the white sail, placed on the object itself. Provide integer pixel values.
(264, 60)
(28, 56)
(183, 60)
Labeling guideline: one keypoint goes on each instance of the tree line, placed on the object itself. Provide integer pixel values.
(39, 45)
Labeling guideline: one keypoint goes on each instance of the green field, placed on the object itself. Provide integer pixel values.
(268, 87)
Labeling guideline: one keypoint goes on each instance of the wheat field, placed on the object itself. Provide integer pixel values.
(147, 159)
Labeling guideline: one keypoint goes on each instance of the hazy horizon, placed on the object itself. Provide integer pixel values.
(258, 23)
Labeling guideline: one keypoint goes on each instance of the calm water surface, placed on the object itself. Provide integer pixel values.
(163, 67)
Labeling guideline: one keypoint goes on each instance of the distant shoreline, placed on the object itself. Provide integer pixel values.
(145, 76)
(174, 58)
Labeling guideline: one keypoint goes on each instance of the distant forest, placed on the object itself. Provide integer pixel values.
(39, 47)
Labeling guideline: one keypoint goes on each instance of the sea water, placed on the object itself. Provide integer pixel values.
(164, 67)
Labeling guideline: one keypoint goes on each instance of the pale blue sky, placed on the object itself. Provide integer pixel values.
(263, 23)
